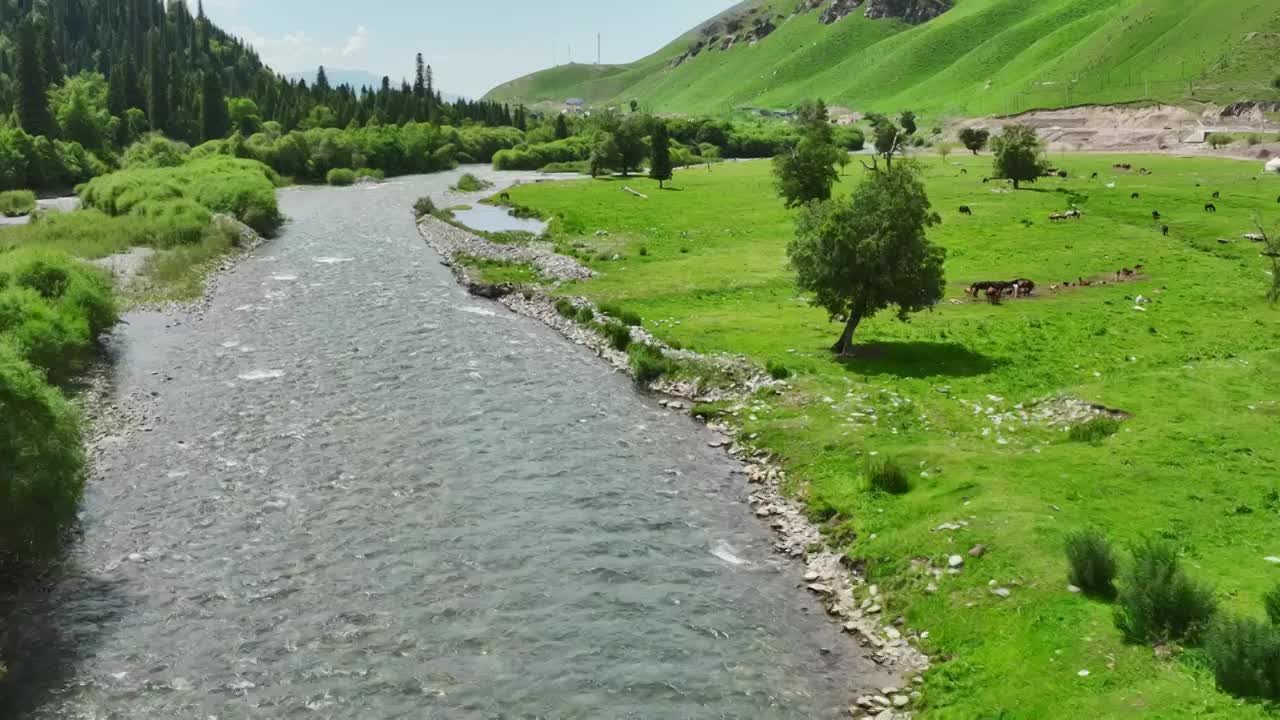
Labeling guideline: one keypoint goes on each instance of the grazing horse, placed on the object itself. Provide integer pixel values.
(1124, 273)
(1093, 176)
(1165, 230)
(986, 180)
(964, 210)
(1023, 287)
(1058, 216)
(1210, 208)
(1073, 214)
(1217, 195)
(505, 197)
(964, 171)
(1155, 214)
(1134, 196)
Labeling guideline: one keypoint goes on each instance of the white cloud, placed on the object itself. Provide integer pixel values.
(358, 41)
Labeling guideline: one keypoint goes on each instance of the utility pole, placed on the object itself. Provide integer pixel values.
(597, 48)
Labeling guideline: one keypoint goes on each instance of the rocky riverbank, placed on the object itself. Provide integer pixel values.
(834, 580)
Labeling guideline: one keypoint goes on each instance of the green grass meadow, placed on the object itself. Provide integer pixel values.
(1197, 368)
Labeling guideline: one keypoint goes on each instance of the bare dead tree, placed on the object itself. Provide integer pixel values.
(1271, 245)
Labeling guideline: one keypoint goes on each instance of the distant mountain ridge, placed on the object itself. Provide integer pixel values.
(355, 78)
(946, 57)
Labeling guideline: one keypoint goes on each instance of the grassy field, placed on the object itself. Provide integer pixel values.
(1198, 369)
(982, 57)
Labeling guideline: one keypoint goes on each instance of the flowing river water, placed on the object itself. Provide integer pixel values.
(361, 493)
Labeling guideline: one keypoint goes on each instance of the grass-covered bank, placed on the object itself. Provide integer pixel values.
(952, 397)
(54, 306)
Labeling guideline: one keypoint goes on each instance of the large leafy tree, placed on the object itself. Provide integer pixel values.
(630, 139)
(1019, 155)
(869, 252)
(660, 153)
(806, 171)
(80, 106)
(974, 139)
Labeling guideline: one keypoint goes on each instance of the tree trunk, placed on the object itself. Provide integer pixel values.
(1015, 183)
(845, 344)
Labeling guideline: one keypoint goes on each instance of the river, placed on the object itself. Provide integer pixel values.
(361, 493)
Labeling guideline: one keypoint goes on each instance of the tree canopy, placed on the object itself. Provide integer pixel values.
(660, 153)
(1018, 155)
(806, 171)
(975, 139)
(861, 255)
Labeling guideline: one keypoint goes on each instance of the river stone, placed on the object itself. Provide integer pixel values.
(901, 701)
(978, 551)
(955, 561)
(1002, 592)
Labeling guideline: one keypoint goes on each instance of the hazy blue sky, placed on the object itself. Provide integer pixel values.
(471, 45)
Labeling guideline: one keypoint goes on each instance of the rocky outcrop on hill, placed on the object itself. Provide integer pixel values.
(912, 11)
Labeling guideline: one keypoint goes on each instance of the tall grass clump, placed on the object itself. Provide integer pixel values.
(1158, 602)
(423, 207)
(1271, 602)
(16, 203)
(1094, 431)
(777, 370)
(1245, 656)
(649, 362)
(887, 476)
(1093, 563)
(469, 183)
(371, 173)
(52, 309)
(619, 335)
(1219, 140)
(341, 177)
(245, 189)
(43, 473)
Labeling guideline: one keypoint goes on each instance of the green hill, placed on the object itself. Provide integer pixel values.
(977, 57)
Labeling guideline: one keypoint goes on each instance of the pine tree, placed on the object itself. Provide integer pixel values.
(117, 96)
(158, 84)
(204, 28)
(215, 120)
(322, 82)
(32, 102)
(134, 97)
(420, 79)
(54, 71)
(562, 127)
(660, 153)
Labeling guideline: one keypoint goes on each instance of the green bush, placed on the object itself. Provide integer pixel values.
(619, 335)
(155, 151)
(1093, 563)
(1254, 139)
(567, 309)
(52, 308)
(370, 173)
(581, 167)
(1271, 601)
(341, 177)
(16, 203)
(43, 462)
(649, 362)
(887, 476)
(1094, 431)
(586, 315)
(1219, 140)
(1158, 602)
(469, 183)
(1245, 655)
(245, 189)
(423, 207)
(777, 370)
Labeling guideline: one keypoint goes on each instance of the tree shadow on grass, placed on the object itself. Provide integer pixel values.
(916, 360)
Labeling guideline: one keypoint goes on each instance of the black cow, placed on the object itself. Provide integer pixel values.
(505, 197)
(986, 180)
(963, 171)
(1210, 208)
(1155, 214)
(1134, 196)
(1093, 176)
(1217, 195)
(964, 210)
(1165, 230)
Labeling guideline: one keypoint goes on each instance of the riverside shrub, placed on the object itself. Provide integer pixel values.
(887, 476)
(1159, 602)
(245, 189)
(341, 177)
(1245, 655)
(16, 203)
(649, 362)
(42, 477)
(1093, 563)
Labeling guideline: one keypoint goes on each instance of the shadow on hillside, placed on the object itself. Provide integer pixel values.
(916, 360)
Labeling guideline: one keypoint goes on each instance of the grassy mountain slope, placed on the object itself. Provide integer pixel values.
(980, 57)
